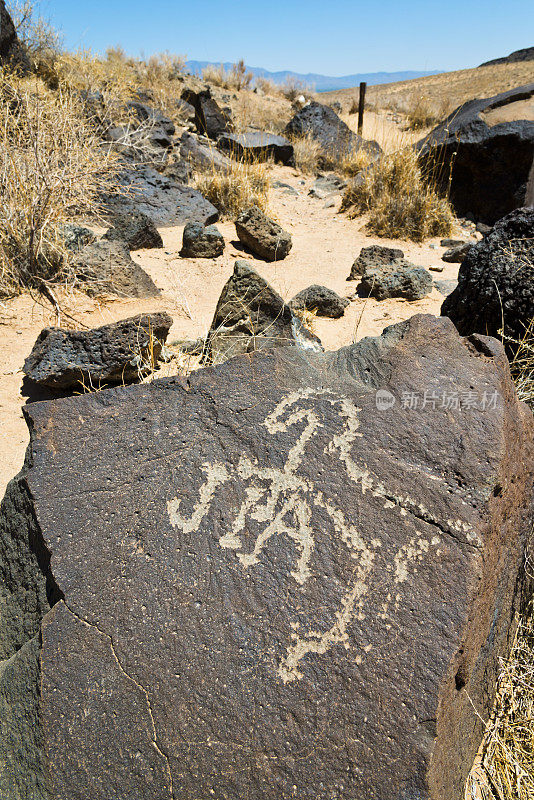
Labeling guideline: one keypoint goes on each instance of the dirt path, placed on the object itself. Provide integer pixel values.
(325, 244)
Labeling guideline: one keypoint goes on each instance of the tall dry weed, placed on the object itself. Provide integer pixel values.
(53, 166)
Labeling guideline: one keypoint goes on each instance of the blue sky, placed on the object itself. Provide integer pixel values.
(332, 37)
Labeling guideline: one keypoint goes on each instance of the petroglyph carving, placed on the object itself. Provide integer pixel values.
(283, 501)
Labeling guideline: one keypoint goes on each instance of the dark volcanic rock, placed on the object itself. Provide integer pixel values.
(334, 136)
(374, 256)
(401, 279)
(328, 184)
(257, 564)
(136, 229)
(12, 52)
(250, 316)
(162, 198)
(107, 267)
(76, 237)
(201, 242)
(153, 117)
(266, 238)
(179, 170)
(455, 255)
(526, 54)
(209, 118)
(324, 302)
(496, 280)
(446, 287)
(202, 155)
(121, 352)
(489, 160)
(257, 145)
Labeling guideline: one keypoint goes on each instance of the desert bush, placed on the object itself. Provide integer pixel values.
(400, 200)
(267, 86)
(236, 188)
(353, 162)
(52, 166)
(236, 78)
(307, 152)
(41, 41)
(294, 87)
(251, 110)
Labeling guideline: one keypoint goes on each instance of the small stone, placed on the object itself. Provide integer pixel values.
(456, 254)
(398, 280)
(436, 268)
(262, 235)
(136, 229)
(451, 242)
(201, 242)
(322, 301)
(374, 256)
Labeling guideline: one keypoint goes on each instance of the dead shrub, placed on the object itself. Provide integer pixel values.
(236, 78)
(307, 153)
(400, 201)
(52, 167)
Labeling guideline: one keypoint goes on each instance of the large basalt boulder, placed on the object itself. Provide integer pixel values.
(321, 301)
(333, 135)
(486, 147)
(136, 229)
(251, 316)
(121, 352)
(262, 235)
(496, 281)
(12, 52)
(106, 267)
(262, 581)
(166, 200)
(254, 145)
(210, 120)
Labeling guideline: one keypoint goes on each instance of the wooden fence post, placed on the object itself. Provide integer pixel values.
(361, 106)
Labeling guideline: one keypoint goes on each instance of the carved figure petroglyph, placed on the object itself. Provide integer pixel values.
(283, 501)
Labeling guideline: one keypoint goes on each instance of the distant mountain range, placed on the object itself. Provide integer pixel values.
(321, 83)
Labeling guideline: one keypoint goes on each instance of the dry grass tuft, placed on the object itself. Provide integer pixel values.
(233, 190)
(507, 769)
(400, 201)
(522, 366)
(52, 167)
(307, 153)
(236, 78)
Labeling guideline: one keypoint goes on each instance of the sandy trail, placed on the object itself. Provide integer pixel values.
(325, 243)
